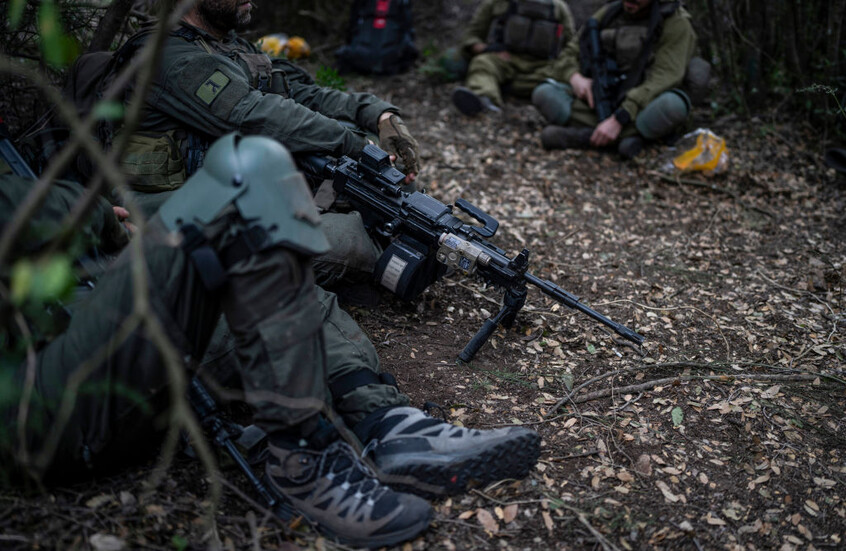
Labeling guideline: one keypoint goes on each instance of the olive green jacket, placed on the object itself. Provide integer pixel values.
(486, 15)
(204, 86)
(666, 69)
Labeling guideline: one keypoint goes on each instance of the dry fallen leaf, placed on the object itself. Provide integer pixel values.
(547, 520)
(487, 520)
(665, 489)
(510, 513)
(714, 521)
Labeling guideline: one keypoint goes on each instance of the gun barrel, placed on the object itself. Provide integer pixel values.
(571, 301)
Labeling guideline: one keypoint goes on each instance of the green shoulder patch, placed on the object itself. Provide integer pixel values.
(212, 87)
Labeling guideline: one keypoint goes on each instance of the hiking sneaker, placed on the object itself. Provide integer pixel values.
(423, 455)
(342, 498)
(565, 137)
(470, 103)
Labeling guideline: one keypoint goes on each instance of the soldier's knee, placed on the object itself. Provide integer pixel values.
(554, 100)
(352, 253)
(483, 63)
(663, 115)
(255, 179)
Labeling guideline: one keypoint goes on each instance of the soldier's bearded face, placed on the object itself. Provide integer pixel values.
(226, 14)
(634, 7)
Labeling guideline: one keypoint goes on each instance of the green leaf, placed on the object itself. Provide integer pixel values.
(678, 416)
(108, 110)
(16, 9)
(53, 280)
(179, 542)
(21, 281)
(57, 47)
(591, 348)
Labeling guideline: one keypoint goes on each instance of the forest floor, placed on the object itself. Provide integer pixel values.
(725, 430)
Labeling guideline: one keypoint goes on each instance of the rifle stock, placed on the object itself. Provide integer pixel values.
(422, 230)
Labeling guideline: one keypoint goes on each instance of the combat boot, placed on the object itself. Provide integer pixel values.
(341, 497)
(417, 453)
(565, 137)
(471, 104)
(630, 147)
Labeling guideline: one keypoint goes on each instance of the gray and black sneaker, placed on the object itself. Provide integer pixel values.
(341, 497)
(420, 454)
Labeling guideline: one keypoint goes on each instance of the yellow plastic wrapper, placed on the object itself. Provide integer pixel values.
(279, 45)
(708, 155)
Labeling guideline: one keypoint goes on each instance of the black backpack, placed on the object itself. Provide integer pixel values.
(380, 38)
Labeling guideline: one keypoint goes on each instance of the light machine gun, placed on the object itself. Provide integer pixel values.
(426, 239)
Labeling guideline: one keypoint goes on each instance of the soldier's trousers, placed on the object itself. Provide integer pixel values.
(102, 391)
(661, 117)
(488, 73)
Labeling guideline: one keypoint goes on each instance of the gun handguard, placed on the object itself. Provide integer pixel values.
(603, 71)
(373, 187)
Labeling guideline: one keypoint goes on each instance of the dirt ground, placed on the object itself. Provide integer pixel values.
(724, 431)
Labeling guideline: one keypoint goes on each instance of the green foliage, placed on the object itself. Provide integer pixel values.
(47, 280)
(328, 77)
(830, 91)
(179, 542)
(16, 9)
(58, 48)
(109, 110)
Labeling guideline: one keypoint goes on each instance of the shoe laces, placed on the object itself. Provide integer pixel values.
(340, 464)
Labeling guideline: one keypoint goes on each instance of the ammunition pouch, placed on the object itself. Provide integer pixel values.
(153, 162)
(530, 27)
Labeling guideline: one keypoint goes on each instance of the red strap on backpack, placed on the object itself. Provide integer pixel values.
(382, 7)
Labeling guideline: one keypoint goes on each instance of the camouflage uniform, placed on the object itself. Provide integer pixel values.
(655, 106)
(520, 73)
(290, 336)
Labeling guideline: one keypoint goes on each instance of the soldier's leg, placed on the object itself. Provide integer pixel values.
(356, 382)
(528, 75)
(663, 115)
(352, 255)
(486, 73)
(554, 101)
(271, 307)
(104, 372)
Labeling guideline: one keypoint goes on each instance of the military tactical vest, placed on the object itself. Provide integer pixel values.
(529, 27)
(630, 42)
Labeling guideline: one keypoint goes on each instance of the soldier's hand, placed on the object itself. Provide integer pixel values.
(582, 87)
(395, 138)
(123, 217)
(606, 132)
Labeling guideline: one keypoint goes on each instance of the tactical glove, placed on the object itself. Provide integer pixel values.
(395, 138)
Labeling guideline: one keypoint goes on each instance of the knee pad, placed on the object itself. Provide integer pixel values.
(663, 115)
(554, 100)
(257, 176)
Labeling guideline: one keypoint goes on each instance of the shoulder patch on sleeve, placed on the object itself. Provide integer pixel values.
(212, 87)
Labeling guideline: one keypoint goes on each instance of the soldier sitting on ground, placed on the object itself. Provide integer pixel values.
(211, 81)
(238, 237)
(512, 44)
(652, 43)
